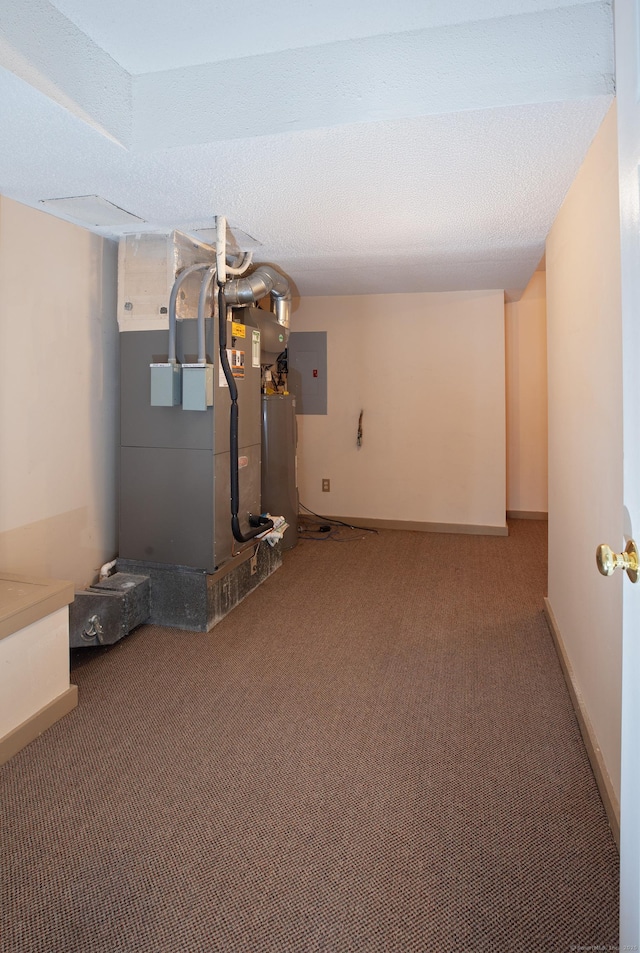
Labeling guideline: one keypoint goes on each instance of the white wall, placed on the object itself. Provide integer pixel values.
(526, 365)
(58, 396)
(585, 434)
(428, 372)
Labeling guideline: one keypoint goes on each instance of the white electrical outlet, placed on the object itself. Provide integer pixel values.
(326, 485)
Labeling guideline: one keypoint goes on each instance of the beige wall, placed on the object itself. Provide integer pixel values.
(428, 372)
(58, 396)
(34, 669)
(526, 366)
(585, 435)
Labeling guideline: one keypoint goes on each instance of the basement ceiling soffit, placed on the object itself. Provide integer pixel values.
(545, 52)
(150, 36)
(366, 146)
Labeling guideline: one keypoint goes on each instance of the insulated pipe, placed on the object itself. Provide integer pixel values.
(172, 308)
(242, 267)
(263, 524)
(105, 571)
(224, 268)
(204, 288)
(221, 248)
(264, 281)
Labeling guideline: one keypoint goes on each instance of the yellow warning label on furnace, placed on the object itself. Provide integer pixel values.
(238, 330)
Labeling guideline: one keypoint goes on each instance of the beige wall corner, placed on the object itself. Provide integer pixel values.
(585, 436)
(526, 384)
(427, 370)
(609, 796)
(58, 396)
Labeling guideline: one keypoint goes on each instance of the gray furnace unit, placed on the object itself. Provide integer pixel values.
(175, 463)
(178, 482)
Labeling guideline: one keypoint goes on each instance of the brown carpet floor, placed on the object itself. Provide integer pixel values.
(375, 751)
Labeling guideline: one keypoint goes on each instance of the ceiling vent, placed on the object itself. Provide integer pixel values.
(237, 240)
(90, 210)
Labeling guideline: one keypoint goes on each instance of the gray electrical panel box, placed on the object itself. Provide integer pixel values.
(197, 386)
(307, 378)
(166, 385)
(175, 464)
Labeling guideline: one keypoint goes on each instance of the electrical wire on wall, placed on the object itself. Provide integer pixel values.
(329, 529)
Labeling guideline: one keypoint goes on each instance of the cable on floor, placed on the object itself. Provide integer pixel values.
(330, 529)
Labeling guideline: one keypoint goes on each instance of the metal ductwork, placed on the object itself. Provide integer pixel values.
(264, 281)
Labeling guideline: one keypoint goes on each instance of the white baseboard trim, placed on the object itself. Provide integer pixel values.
(33, 727)
(607, 793)
(469, 529)
(527, 515)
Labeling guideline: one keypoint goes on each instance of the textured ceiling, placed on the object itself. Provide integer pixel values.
(368, 147)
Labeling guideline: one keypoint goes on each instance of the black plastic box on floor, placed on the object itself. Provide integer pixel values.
(192, 599)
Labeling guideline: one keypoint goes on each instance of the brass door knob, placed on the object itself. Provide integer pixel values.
(608, 561)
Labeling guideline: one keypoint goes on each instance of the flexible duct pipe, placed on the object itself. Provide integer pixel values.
(172, 307)
(264, 281)
(204, 288)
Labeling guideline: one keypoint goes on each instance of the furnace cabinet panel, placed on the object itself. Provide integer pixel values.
(279, 463)
(174, 484)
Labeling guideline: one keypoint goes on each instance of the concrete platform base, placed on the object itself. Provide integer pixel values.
(195, 600)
